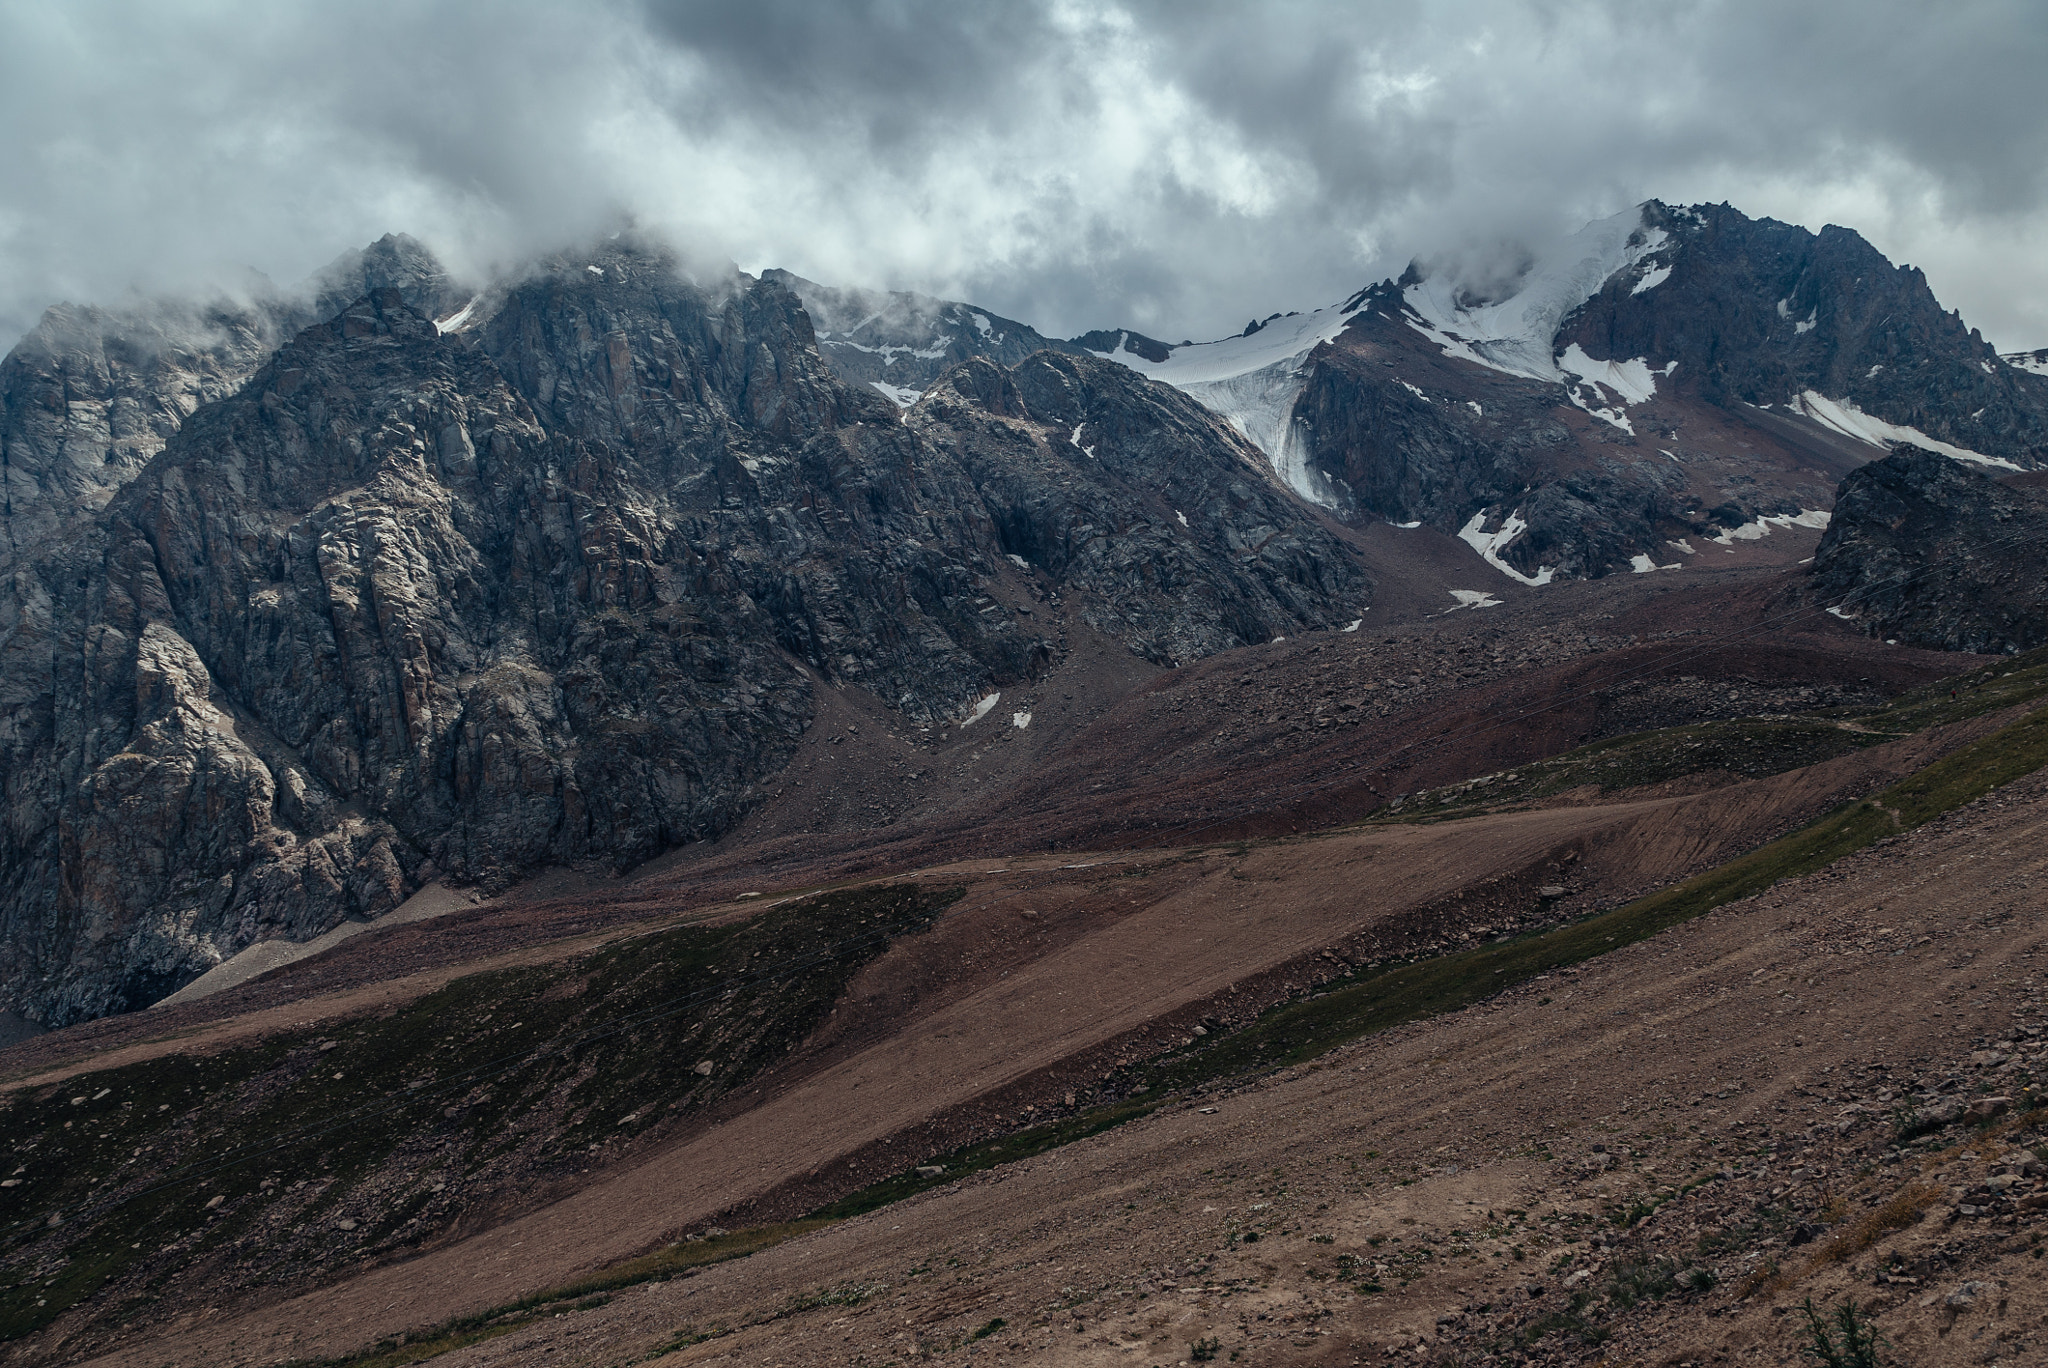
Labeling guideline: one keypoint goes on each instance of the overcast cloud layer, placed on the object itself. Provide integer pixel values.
(1177, 167)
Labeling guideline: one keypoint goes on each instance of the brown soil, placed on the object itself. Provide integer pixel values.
(1050, 973)
(1470, 1165)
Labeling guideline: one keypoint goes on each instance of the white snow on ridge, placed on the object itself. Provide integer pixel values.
(1761, 528)
(1253, 381)
(1515, 334)
(1651, 281)
(1489, 545)
(1845, 418)
(891, 352)
(2035, 362)
(902, 397)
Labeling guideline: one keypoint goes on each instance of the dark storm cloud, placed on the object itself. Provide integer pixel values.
(1177, 167)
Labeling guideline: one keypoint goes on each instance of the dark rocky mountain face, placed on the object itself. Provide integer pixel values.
(1165, 522)
(1759, 312)
(1722, 377)
(898, 342)
(90, 395)
(1928, 552)
(557, 590)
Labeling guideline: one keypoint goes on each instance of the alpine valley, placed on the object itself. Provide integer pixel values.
(628, 811)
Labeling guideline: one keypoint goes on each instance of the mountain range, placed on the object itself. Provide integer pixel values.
(1428, 827)
(318, 598)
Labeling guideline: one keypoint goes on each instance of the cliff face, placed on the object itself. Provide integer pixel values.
(1927, 552)
(91, 394)
(556, 590)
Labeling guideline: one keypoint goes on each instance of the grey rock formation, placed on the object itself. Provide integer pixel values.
(1168, 524)
(1928, 552)
(91, 394)
(556, 590)
(899, 342)
(1756, 311)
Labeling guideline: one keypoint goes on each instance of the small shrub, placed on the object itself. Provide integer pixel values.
(1205, 1348)
(989, 1329)
(1633, 1278)
(1697, 1279)
(1841, 1339)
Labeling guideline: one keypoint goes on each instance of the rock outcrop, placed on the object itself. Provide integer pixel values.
(1926, 551)
(91, 394)
(556, 589)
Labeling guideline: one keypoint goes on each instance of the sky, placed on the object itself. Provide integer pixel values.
(1177, 166)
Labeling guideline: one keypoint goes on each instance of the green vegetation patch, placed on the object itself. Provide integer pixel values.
(1743, 748)
(263, 1164)
(1298, 1031)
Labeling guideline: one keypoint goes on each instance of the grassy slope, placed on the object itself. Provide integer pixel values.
(272, 1163)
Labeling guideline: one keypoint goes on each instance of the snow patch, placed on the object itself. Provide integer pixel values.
(1414, 391)
(1845, 418)
(1354, 624)
(1809, 323)
(597, 271)
(1611, 417)
(1846, 617)
(1182, 516)
(454, 322)
(1761, 528)
(901, 397)
(1408, 526)
(1017, 561)
(2035, 362)
(891, 352)
(1472, 598)
(1473, 404)
(1020, 720)
(1652, 280)
(1633, 381)
(981, 710)
(1489, 545)
(982, 325)
(1253, 382)
(1643, 565)
(1515, 334)
(1683, 545)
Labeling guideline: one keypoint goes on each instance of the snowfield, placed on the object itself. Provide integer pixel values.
(1253, 382)
(1515, 335)
(1845, 418)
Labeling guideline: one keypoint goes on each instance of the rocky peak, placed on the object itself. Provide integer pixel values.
(90, 395)
(1760, 312)
(1929, 552)
(557, 590)
(898, 342)
(393, 262)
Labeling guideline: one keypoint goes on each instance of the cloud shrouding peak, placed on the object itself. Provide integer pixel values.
(1172, 167)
